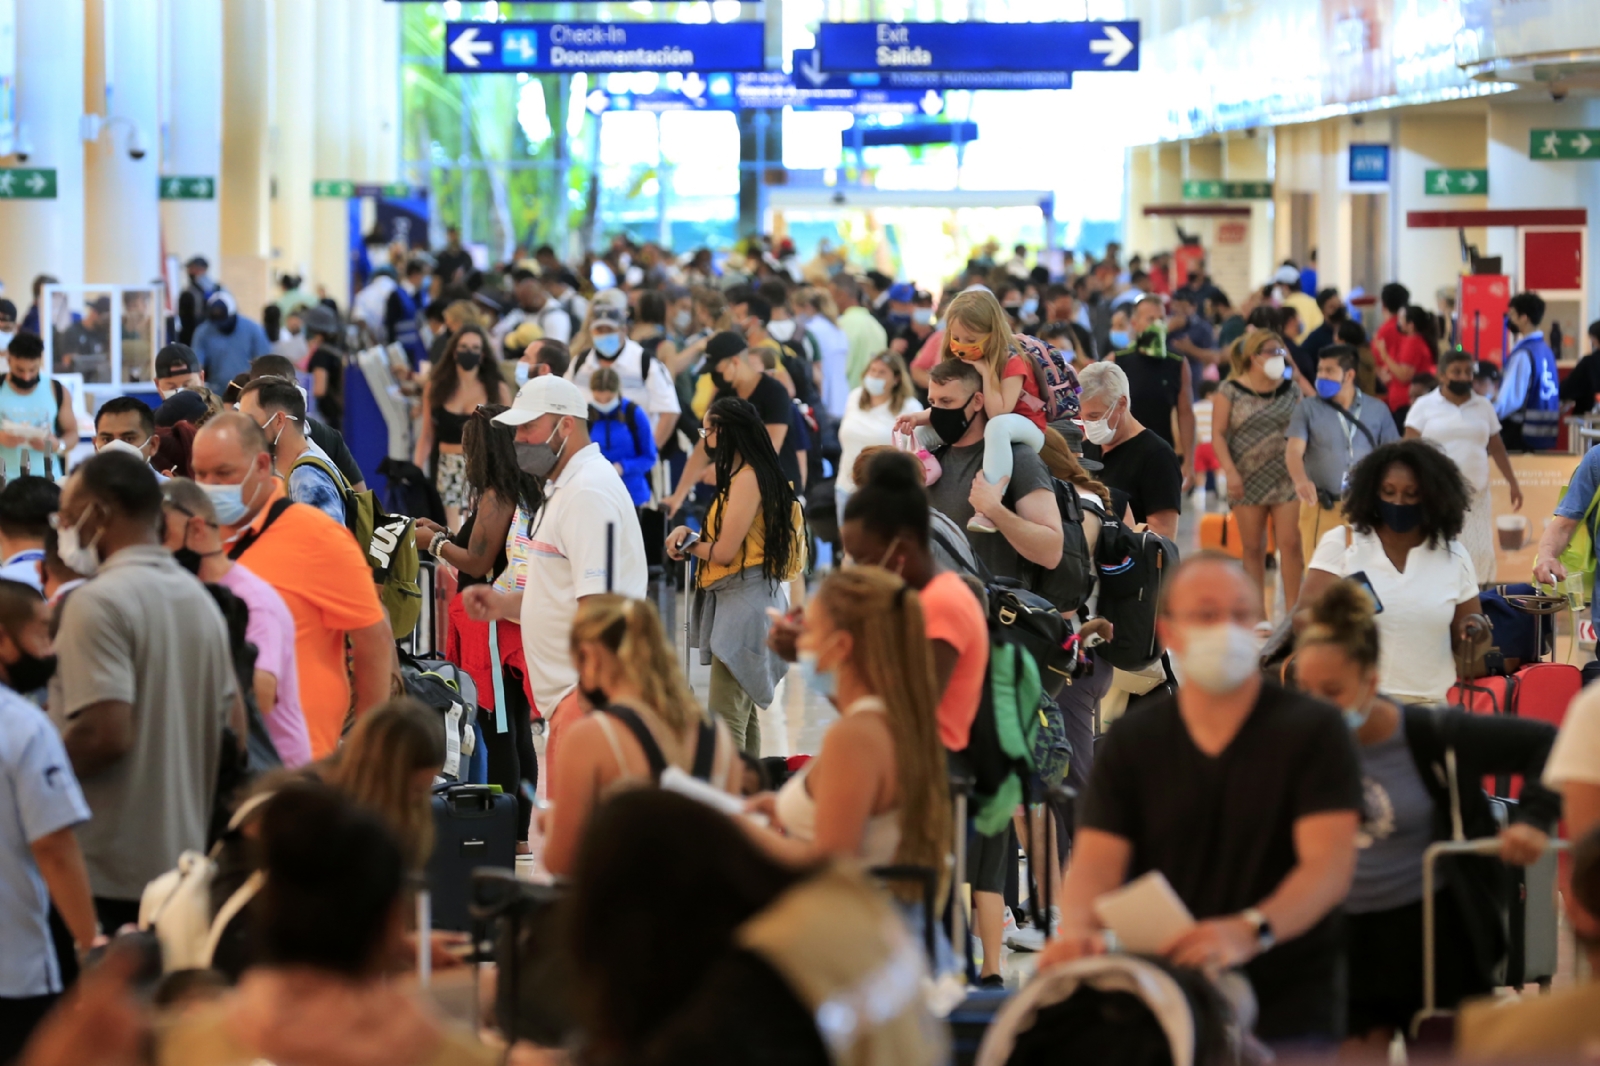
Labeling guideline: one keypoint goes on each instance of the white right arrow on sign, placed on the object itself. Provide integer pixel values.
(1582, 143)
(467, 48)
(1469, 181)
(1115, 47)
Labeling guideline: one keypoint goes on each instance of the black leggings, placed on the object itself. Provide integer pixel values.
(511, 756)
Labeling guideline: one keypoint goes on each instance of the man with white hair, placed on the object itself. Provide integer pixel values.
(1136, 462)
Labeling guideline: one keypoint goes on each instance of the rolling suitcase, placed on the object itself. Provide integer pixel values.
(474, 826)
(1219, 532)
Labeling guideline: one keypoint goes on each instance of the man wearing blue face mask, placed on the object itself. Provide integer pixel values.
(645, 379)
(1329, 435)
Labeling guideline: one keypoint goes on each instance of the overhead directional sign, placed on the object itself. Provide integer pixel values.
(173, 187)
(808, 74)
(1564, 144)
(344, 190)
(1455, 182)
(928, 47)
(568, 47)
(27, 183)
(1227, 190)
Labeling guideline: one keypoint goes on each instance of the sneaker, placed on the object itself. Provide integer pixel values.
(1032, 939)
(979, 523)
(994, 980)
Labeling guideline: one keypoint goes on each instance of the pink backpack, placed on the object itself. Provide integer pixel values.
(1058, 385)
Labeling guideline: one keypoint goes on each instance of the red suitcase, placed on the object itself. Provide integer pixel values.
(1486, 695)
(1545, 689)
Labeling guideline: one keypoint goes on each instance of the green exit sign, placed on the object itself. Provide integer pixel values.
(1455, 181)
(1227, 190)
(175, 187)
(338, 190)
(27, 183)
(1564, 144)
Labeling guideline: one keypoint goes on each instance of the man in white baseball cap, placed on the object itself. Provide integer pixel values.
(568, 560)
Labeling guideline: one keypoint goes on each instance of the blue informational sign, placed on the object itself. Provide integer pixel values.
(765, 90)
(596, 47)
(929, 47)
(808, 74)
(1369, 162)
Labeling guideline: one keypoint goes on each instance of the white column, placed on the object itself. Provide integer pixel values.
(122, 219)
(191, 123)
(377, 133)
(296, 113)
(245, 190)
(1333, 207)
(336, 78)
(46, 236)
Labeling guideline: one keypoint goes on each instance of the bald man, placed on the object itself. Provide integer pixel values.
(1245, 796)
(314, 564)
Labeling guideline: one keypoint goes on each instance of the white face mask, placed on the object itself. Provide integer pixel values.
(1099, 431)
(682, 320)
(1273, 367)
(80, 558)
(1218, 658)
(874, 386)
(922, 316)
(523, 371)
(5, 338)
(781, 330)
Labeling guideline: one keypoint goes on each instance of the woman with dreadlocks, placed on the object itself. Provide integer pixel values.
(753, 543)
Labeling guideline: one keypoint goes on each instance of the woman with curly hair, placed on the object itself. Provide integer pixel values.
(753, 545)
(1406, 505)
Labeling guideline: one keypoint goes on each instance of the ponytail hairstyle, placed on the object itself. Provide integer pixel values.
(1062, 463)
(743, 440)
(631, 630)
(979, 311)
(891, 656)
(1344, 617)
(376, 764)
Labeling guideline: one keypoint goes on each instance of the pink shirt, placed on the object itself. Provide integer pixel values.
(271, 630)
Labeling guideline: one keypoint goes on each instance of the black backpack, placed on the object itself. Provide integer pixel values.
(1019, 616)
(1070, 583)
(1133, 567)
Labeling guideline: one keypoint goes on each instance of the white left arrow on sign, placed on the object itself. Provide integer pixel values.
(467, 48)
(1115, 47)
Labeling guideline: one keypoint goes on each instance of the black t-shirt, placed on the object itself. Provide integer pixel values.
(772, 401)
(1582, 384)
(331, 441)
(1221, 830)
(1154, 384)
(1144, 467)
(331, 405)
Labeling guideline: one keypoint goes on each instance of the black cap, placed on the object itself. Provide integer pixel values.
(100, 305)
(724, 345)
(183, 406)
(198, 261)
(176, 360)
(320, 320)
(1074, 434)
(8, 309)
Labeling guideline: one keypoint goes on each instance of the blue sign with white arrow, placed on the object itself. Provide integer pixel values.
(568, 47)
(928, 47)
(808, 74)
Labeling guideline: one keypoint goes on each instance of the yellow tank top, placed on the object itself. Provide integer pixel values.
(755, 546)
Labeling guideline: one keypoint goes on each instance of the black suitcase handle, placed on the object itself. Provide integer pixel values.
(472, 800)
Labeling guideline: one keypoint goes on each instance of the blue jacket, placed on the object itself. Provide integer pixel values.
(227, 355)
(1530, 392)
(626, 438)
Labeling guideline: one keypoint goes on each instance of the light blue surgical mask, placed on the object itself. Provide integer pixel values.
(228, 502)
(609, 345)
(1356, 717)
(607, 407)
(523, 372)
(1120, 339)
(822, 682)
(1030, 307)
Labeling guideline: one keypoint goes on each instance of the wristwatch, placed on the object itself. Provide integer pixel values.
(1265, 938)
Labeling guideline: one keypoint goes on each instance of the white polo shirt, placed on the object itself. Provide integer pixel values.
(567, 560)
(1462, 431)
(657, 395)
(1414, 657)
(40, 796)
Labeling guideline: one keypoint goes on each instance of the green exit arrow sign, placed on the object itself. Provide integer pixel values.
(1455, 181)
(176, 187)
(1564, 144)
(338, 190)
(27, 183)
(1227, 190)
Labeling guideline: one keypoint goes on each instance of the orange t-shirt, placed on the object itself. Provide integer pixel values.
(323, 576)
(950, 612)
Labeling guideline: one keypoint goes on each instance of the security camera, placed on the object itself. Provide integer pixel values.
(23, 146)
(136, 149)
(1558, 93)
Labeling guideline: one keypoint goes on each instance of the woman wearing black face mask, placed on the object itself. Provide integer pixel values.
(1406, 504)
(466, 377)
(1465, 426)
